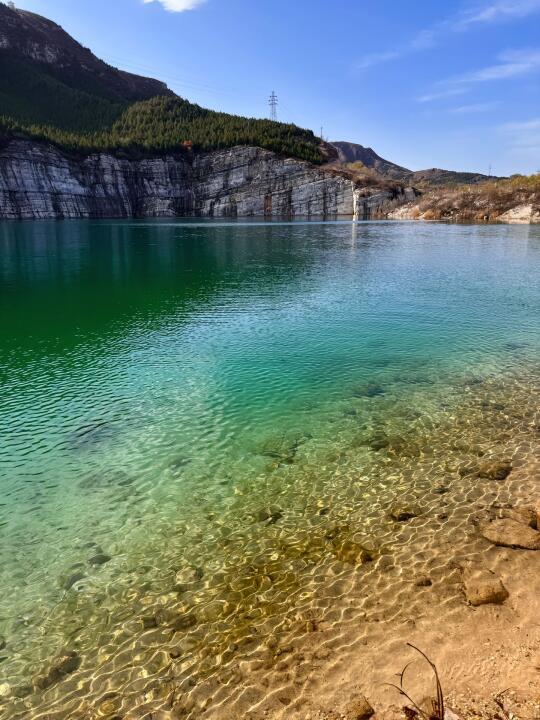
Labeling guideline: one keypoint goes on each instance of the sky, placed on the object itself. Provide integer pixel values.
(427, 83)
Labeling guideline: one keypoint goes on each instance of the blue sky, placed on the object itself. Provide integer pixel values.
(426, 83)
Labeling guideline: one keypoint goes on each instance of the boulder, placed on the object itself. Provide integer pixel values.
(359, 709)
(509, 533)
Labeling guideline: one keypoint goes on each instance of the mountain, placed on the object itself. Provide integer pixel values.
(48, 77)
(350, 153)
(54, 89)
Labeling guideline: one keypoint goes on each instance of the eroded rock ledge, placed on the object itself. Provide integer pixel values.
(38, 181)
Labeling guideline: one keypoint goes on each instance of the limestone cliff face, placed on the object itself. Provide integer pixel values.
(39, 181)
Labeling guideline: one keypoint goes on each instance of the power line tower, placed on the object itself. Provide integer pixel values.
(273, 101)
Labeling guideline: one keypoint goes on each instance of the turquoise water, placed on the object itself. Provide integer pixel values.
(176, 393)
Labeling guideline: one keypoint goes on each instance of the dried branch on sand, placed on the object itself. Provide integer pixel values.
(437, 704)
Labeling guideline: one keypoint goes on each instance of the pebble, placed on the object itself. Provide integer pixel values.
(359, 709)
(402, 514)
(483, 587)
(495, 470)
(271, 514)
(62, 665)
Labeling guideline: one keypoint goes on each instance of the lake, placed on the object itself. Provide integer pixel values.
(206, 428)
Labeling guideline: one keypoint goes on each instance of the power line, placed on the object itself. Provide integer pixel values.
(273, 101)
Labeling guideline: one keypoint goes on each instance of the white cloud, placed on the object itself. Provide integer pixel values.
(522, 140)
(513, 63)
(500, 11)
(376, 58)
(177, 5)
(526, 126)
(474, 108)
(477, 15)
(440, 94)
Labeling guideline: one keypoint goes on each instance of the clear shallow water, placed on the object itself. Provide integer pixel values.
(186, 406)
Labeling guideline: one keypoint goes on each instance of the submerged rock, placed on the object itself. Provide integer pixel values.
(74, 578)
(368, 390)
(509, 533)
(21, 691)
(524, 515)
(99, 559)
(179, 463)
(403, 513)
(359, 709)
(537, 513)
(441, 490)
(483, 587)
(64, 664)
(270, 515)
(495, 470)
(351, 552)
(183, 622)
(423, 581)
(2, 642)
(378, 441)
(149, 622)
(283, 447)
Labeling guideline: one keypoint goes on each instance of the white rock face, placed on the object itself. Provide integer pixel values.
(522, 214)
(39, 181)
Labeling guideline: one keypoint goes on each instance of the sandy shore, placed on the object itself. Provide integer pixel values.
(488, 656)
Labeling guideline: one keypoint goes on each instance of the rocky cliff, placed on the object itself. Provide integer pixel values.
(39, 181)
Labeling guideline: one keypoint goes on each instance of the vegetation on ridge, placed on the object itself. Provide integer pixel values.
(171, 124)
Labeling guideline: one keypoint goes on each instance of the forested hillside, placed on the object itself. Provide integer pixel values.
(54, 89)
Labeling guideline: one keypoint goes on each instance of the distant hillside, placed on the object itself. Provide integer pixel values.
(436, 176)
(351, 153)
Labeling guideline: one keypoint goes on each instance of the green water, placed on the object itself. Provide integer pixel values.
(172, 390)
